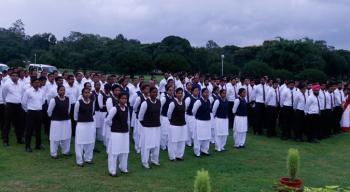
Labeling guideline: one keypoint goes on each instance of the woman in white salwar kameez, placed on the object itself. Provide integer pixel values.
(214, 96)
(60, 126)
(98, 117)
(85, 133)
(190, 120)
(220, 109)
(165, 100)
(345, 120)
(202, 130)
(240, 125)
(102, 99)
(149, 117)
(136, 108)
(177, 129)
(118, 146)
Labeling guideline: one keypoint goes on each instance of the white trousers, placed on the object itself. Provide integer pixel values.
(146, 153)
(212, 140)
(99, 135)
(200, 146)
(64, 144)
(239, 138)
(220, 142)
(189, 138)
(113, 161)
(176, 149)
(163, 141)
(136, 137)
(84, 152)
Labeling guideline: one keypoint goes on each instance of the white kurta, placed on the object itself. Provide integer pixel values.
(164, 121)
(118, 143)
(150, 137)
(85, 133)
(177, 133)
(345, 120)
(202, 130)
(221, 126)
(60, 130)
(99, 119)
(240, 124)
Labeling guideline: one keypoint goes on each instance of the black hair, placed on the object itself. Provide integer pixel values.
(221, 91)
(115, 87)
(32, 79)
(179, 89)
(240, 91)
(122, 94)
(167, 87)
(58, 87)
(58, 78)
(87, 83)
(204, 89)
(152, 88)
(144, 86)
(82, 91)
(107, 87)
(215, 89)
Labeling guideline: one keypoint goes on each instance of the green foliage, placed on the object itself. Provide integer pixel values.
(256, 69)
(202, 182)
(326, 189)
(312, 74)
(282, 73)
(293, 161)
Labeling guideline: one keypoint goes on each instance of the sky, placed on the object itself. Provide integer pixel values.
(227, 22)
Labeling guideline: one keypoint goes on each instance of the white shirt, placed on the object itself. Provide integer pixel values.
(249, 92)
(287, 97)
(235, 105)
(72, 92)
(100, 100)
(323, 100)
(12, 93)
(138, 103)
(329, 100)
(300, 100)
(33, 99)
(1, 88)
(339, 97)
(216, 106)
(162, 84)
(258, 93)
(132, 94)
(80, 85)
(109, 102)
(231, 91)
(52, 105)
(312, 105)
(273, 98)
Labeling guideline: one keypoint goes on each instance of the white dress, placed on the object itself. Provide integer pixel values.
(345, 120)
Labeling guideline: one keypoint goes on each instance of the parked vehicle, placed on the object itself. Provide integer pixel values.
(41, 67)
(3, 67)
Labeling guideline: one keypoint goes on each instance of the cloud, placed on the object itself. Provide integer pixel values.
(236, 22)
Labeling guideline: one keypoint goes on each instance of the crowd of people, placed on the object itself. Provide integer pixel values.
(183, 109)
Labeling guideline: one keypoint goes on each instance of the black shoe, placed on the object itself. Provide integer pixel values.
(6, 144)
(89, 162)
(54, 157)
(124, 172)
(40, 147)
(172, 160)
(197, 156)
(80, 165)
(29, 150)
(206, 154)
(67, 155)
(242, 146)
(155, 164)
(180, 159)
(237, 147)
(112, 175)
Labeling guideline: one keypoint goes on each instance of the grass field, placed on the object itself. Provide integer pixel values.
(254, 168)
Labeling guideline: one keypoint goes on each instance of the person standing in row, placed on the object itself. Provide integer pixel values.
(259, 96)
(72, 92)
(240, 126)
(177, 129)
(231, 91)
(86, 130)
(98, 116)
(118, 146)
(287, 112)
(136, 108)
(214, 96)
(202, 129)
(299, 114)
(190, 120)
(12, 94)
(165, 100)
(221, 121)
(32, 103)
(149, 117)
(2, 106)
(60, 127)
(272, 105)
(102, 99)
(312, 111)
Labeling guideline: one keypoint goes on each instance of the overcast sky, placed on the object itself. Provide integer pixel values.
(238, 22)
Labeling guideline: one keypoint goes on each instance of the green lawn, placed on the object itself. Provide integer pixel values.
(254, 168)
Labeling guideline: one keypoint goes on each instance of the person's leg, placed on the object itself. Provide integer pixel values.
(236, 139)
(29, 128)
(217, 143)
(53, 148)
(74, 124)
(123, 162)
(223, 141)
(65, 146)
(2, 119)
(38, 123)
(112, 164)
(172, 150)
(230, 114)
(145, 156)
(7, 127)
(196, 147)
(155, 155)
(79, 150)
(20, 124)
(180, 149)
(205, 146)
(242, 139)
(88, 152)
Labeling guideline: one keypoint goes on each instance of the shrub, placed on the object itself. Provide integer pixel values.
(293, 163)
(202, 183)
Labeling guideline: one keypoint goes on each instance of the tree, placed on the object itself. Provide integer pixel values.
(312, 75)
(172, 62)
(256, 69)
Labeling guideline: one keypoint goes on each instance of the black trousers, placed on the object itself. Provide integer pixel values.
(312, 126)
(230, 115)
(260, 117)
(299, 124)
(329, 122)
(271, 113)
(338, 112)
(34, 122)
(251, 117)
(323, 132)
(2, 119)
(287, 121)
(46, 119)
(73, 122)
(13, 116)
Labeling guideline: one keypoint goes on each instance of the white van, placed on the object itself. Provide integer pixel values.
(3, 67)
(41, 67)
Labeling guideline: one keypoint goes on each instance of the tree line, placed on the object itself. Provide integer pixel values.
(300, 59)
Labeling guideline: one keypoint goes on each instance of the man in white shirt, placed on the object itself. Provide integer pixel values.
(299, 116)
(259, 96)
(32, 103)
(72, 92)
(248, 98)
(323, 103)
(312, 111)
(272, 105)
(287, 112)
(78, 81)
(231, 95)
(12, 95)
(2, 107)
(338, 109)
